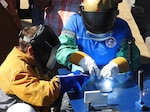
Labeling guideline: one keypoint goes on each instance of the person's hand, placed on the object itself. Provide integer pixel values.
(89, 65)
(110, 70)
(74, 80)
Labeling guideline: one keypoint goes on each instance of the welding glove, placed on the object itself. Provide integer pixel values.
(88, 64)
(115, 66)
(74, 80)
(85, 62)
(110, 70)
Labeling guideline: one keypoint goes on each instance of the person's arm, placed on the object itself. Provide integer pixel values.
(68, 53)
(123, 62)
(34, 91)
(67, 48)
(125, 59)
(135, 61)
(44, 93)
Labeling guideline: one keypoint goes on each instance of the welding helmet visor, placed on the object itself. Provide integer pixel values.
(100, 16)
(44, 44)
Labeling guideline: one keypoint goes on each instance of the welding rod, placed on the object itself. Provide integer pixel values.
(140, 81)
(130, 45)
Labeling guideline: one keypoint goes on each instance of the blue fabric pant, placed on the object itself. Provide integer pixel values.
(37, 15)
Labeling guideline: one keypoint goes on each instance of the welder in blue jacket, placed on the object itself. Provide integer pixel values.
(97, 40)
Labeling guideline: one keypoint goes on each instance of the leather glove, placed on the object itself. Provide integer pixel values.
(88, 64)
(74, 80)
(110, 70)
(119, 64)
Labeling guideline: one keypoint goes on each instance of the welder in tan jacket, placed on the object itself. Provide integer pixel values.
(25, 75)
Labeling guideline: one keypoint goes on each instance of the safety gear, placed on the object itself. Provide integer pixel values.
(99, 15)
(99, 37)
(75, 80)
(20, 107)
(115, 66)
(110, 70)
(89, 65)
(45, 44)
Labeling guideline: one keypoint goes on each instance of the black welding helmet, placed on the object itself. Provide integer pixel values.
(99, 15)
(45, 44)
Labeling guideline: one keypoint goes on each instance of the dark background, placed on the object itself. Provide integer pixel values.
(141, 14)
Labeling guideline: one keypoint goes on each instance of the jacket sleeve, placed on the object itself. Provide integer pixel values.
(67, 48)
(34, 91)
(135, 61)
